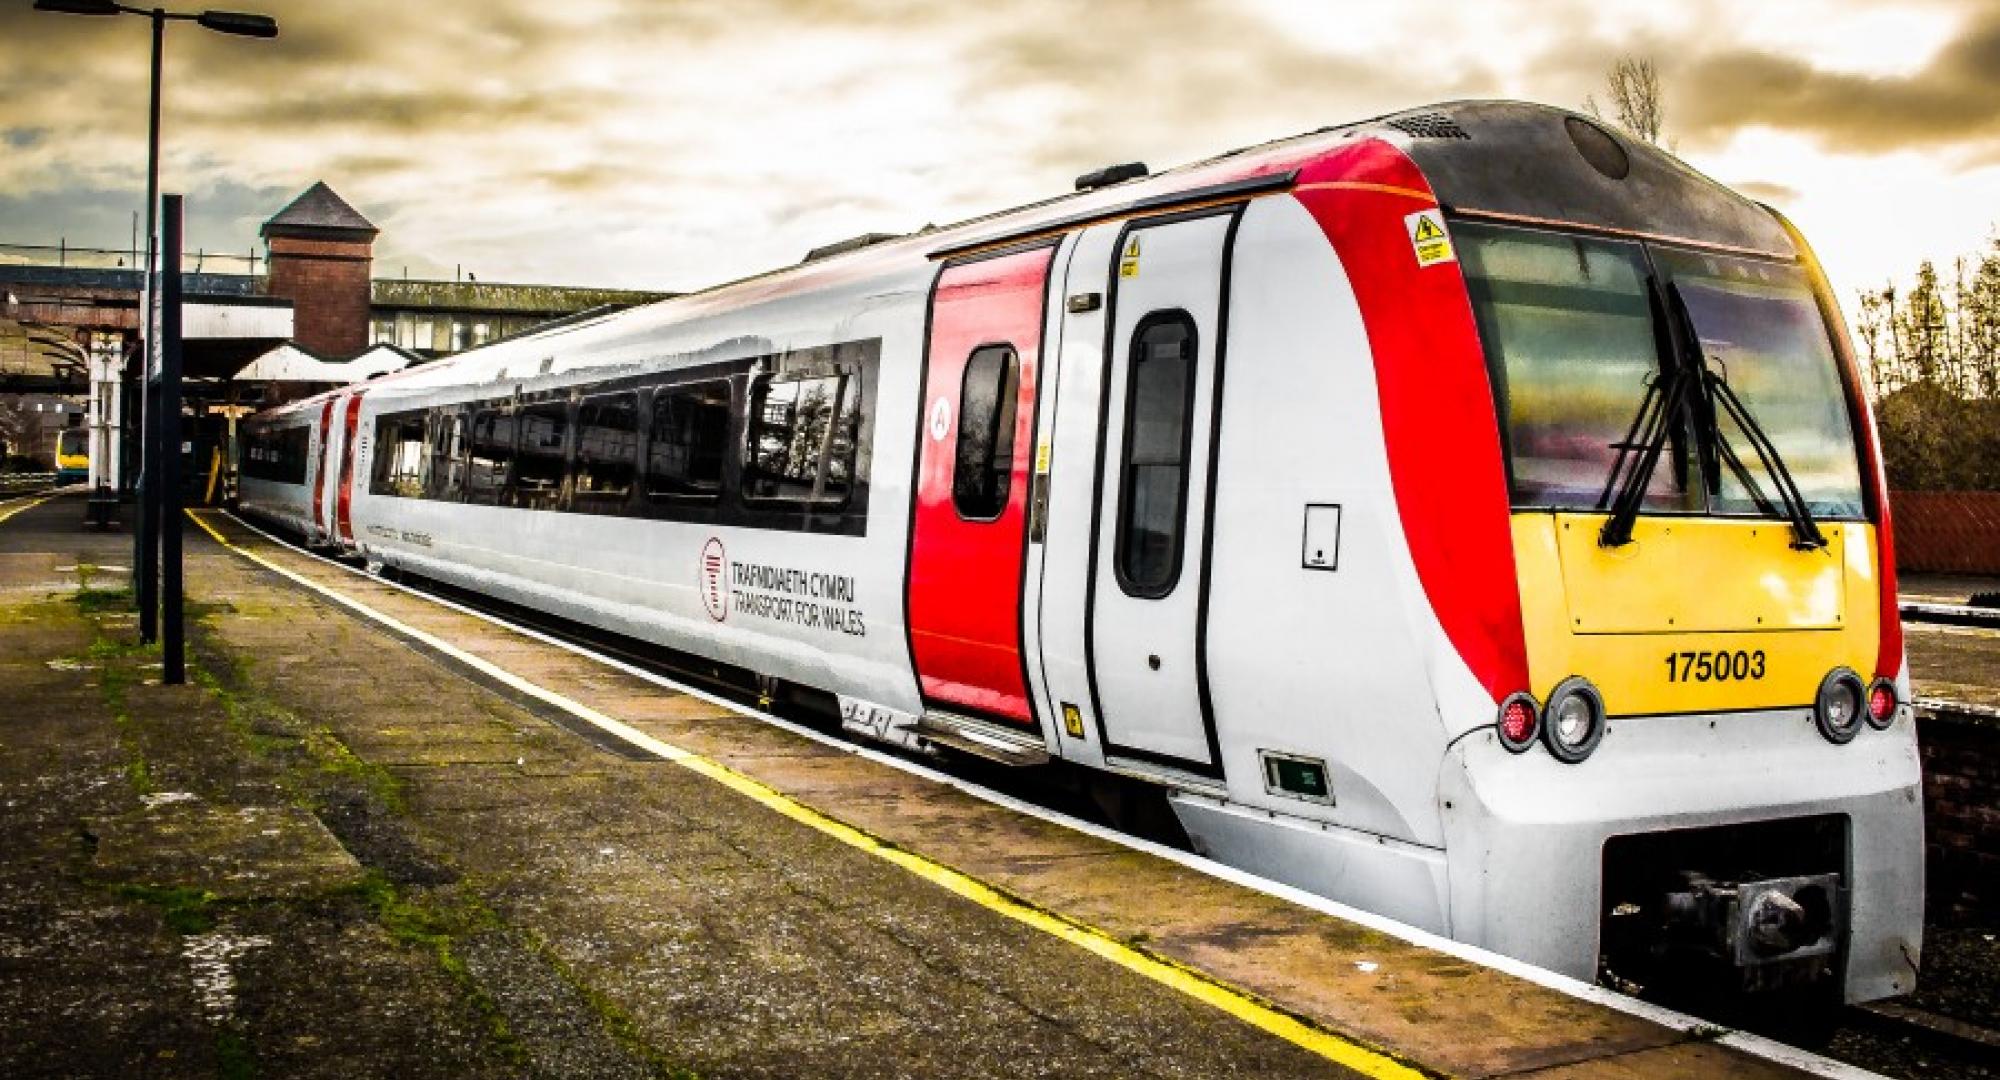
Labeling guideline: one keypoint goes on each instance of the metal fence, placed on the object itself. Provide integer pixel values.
(61, 253)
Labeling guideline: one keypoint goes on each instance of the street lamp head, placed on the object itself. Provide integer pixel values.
(78, 7)
(242, 24)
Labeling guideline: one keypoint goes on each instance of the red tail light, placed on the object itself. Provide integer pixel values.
(1881, 703)
(1519, 723)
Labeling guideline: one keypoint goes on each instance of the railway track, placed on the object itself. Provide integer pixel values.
(21, 485)
(1951, 614)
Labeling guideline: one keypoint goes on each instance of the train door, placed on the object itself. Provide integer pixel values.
(321, 459)
(344, 498)
(969, 528)
(1144, 580)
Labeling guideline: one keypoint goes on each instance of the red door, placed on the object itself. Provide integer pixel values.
(319, 473)
(976, 440)
(344, 498)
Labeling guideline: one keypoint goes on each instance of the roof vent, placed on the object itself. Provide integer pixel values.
(1111, 174)
(1429, 125)
(852, 243)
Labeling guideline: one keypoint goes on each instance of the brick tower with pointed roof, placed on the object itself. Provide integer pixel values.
(322, 254)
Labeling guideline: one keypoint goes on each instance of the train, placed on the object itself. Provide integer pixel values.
(72, 456)
(1472, 515)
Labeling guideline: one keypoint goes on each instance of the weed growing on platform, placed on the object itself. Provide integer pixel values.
(314, 755)
(119, 663)
(234, 1059)
(433, 919)
(186, 910)
(103, 601)
(317, 766)
(617, 1022)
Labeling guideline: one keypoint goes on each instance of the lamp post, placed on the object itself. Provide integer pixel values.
(146, 546)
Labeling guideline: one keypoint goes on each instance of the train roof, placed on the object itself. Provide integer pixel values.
(1501, 159)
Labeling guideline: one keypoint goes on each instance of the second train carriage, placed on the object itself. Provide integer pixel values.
(1469, 515)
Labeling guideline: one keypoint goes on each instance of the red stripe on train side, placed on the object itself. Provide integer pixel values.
(343, 519)
(1438, 421)
(319, 472)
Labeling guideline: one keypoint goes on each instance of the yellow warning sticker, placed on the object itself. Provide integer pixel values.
(1128, 263)
(1042, 458)
(1428, 238)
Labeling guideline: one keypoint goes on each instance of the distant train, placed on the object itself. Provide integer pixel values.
(1470, 514)
(72, 456)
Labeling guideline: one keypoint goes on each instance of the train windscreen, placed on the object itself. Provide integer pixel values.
(1761, 331)
(1575, 334)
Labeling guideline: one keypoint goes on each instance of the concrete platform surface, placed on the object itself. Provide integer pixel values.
(340, 853)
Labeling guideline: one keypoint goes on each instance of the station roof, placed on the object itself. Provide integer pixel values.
(319, 208)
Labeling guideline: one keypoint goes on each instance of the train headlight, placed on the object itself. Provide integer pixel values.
(1573, 720)
(1838, 708)
(1519, 722)
(1882, 704)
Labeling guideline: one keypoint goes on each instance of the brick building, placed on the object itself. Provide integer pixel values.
(321, 255)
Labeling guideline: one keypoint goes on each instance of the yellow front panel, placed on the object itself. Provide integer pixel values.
(1695, 574)
(1718, 615)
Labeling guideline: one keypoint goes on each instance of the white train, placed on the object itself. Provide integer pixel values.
(1470, 515)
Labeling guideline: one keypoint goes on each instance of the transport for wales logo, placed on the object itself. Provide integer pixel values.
(714, 567)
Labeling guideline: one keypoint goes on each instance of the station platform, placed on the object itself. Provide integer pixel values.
(1956, 664)
(378, 836)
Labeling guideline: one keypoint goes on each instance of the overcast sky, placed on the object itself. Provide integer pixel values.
(650, 143)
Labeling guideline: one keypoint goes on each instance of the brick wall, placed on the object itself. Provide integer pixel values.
(327, 282)
(1961, 756)
(1949, 532)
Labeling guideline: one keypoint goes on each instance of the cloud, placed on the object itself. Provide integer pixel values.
(1767, 191)
(220, 217)
(1954, 98)
(676, 142)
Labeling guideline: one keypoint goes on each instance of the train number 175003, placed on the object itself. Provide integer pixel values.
(1719, 666)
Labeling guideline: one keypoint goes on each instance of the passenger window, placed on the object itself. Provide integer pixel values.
(399, 456)
(607, 449)
(1153, 477)
(987, 399)
(447, 480)
(539, 468)
(690, 436)
(492, 454)
(802, 436)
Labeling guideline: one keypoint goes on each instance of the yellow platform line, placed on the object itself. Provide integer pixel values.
(1236, 1002)
(26, 506)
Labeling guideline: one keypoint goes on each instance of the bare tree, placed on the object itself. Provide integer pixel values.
(1637, 105)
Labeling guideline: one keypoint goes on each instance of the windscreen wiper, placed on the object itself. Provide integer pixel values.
(1805, 531)
(1625, 489)
(1806, 535)
(1651, 429)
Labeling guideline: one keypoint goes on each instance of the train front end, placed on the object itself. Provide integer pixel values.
(1708, 780)
(72, 456)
